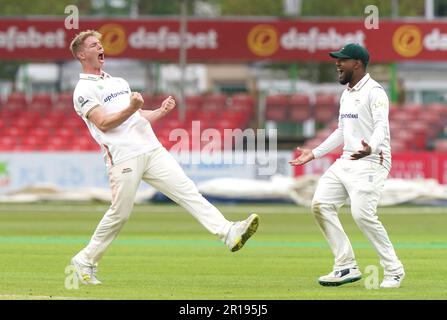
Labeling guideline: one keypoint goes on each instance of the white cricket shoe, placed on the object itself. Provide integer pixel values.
(392, 281)
(339, 277)
(85, 274)
(241, 231)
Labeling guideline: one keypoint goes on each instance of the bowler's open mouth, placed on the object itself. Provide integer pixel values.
(101, 57)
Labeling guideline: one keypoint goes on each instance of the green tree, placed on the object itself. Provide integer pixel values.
(41, 7)
(356, 8)
(250, 7)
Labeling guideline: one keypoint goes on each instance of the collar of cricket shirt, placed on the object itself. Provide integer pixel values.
(94, 77)
(361, 83)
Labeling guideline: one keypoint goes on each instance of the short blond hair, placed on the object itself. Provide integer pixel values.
(78, 40)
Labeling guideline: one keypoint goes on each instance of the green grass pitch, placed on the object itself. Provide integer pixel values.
(163, 253)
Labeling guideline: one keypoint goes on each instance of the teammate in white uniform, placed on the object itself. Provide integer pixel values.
(359, 174)
(133, 153)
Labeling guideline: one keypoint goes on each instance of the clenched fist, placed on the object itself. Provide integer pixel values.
(136, 100)
(167, 105)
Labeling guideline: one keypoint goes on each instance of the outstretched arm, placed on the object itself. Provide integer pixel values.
(305, 156)
(331, 142)
(153, 115)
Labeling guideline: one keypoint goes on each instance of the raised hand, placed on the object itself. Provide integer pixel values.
(167, 105)
(305, 156)
(136, 100)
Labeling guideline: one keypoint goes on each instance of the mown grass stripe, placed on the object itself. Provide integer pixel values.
(208, 243)
(167, 208)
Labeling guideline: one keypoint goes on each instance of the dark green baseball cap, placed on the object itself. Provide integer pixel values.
(352, 51)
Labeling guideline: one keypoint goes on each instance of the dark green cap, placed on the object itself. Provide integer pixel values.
(352, 51)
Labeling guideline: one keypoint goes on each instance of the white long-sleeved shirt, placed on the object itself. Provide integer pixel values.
(131, 138)
(363, 115)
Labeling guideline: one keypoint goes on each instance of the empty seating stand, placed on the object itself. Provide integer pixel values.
(326, 108)
(413, 127)
(48, 122)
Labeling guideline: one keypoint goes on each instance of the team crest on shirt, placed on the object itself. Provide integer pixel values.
(380, 104)
(82, 101)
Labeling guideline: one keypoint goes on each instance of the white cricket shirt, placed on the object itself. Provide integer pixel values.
(363, 116)
(131, 138)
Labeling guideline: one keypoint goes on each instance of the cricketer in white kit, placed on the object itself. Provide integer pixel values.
(133, 154)
(360, 172)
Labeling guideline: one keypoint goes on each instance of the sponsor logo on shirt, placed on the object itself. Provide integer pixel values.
(349, 115)
(114, 95)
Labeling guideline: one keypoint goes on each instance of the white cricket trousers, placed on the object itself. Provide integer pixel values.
(363, 182)
(161, 170)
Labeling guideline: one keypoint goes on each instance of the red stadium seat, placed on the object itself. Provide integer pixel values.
(406, 137)
(14, 132)
(57, 143)
(57, 116)
(31, 115)
(148, 101)
(225, 124)
(41, 134)
(41, 102)
(215, 101)
(419, 130)
(414, 110)
(242, 102)
(432, 119)
(155, 101)
(394, 109)
(323, 133)
(22, 123)
(299, 108)
(333, 125)
(277, 107)
(65, 133)
(173, 123)
(441, 145)
(7, 143)
(47, 124)
(403, 116)
(31, 143)
(398, 145)
(64, 101)
(239, 119)
(277, 100)
(440, 110)
(16, 101)
(312, 143)
(193, 102)
(325, 108)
